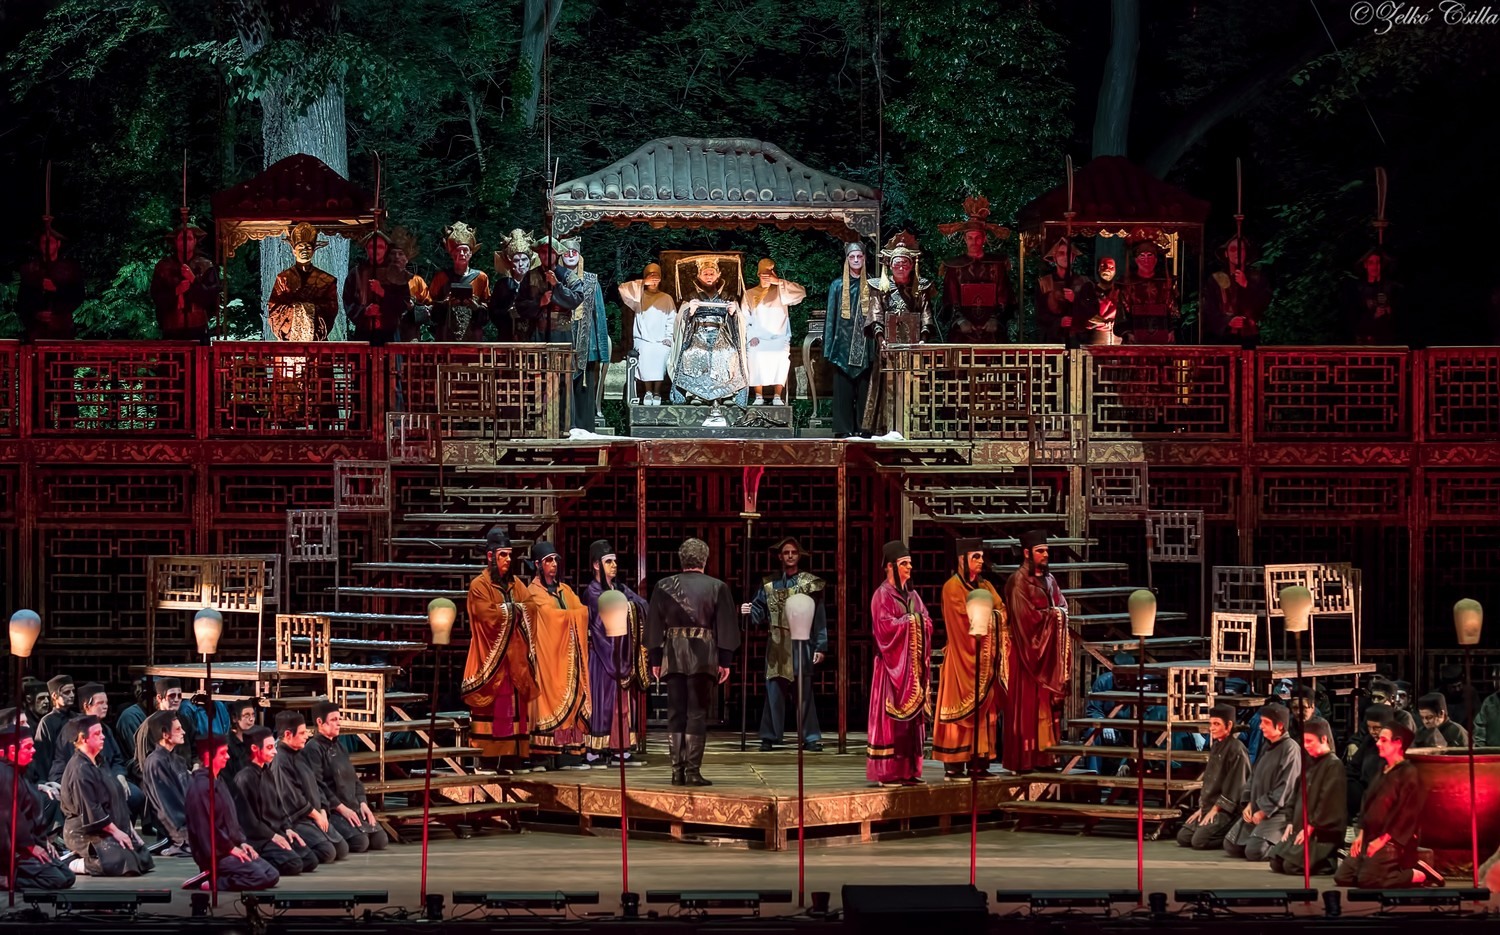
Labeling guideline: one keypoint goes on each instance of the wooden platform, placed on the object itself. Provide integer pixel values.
(753, 801)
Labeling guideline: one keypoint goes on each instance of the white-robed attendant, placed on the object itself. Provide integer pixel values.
(655, 320)
(769, 329)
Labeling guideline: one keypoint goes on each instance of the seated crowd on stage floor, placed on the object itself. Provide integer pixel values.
(695, 332)
(131, 796)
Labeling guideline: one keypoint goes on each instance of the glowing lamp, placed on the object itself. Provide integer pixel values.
(1468, 620)
(981, 607)
(1142, 613)
(208, 626)
(1297, 604)
(25, 627)
(799, 615)
(614, 610)
(441, 613)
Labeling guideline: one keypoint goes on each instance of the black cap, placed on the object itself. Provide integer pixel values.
(1433, 701)
(776, 549)
(1276, 714)
(1224, 712)
(598, 549)
(894, 551)
(1034, 538)
(965, 546)
(496, 538)
(1318, 728)
(540, 550)
(58, 682)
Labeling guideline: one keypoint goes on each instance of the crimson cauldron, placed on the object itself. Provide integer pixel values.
(1445, 818)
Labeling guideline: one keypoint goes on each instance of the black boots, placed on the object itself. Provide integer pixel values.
(674, 747)
(692, 760)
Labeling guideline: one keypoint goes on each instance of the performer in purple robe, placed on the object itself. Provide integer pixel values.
(616, 663)
(899, 706)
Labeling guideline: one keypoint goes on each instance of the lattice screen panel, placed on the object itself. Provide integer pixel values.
(987, 391)
(1175, 536)
(312, 536)
(1181, 393)
(1310, 393)
(1381, 551)
(1059, 438)
(1233, 640)
(10, 388)
(361, 486)
(360, 697)
(411, 437)
(10, 492)
(1342, 495)
(1463, 393)
(273, 388)
(129, 387)
(1190, 694)
(1118, 488)
(1238, 589)
(94, 580)
(1214, 493)
(302, 643)
(1459, 494)
(160, 492)
(269, 492)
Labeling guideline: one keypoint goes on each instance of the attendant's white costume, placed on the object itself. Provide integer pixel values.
(655, 320)
(769, 328)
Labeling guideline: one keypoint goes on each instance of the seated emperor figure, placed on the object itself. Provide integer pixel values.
(708, 347)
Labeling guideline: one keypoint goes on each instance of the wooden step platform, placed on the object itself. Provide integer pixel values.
(1089, 812)
(423, 593)
(1094, 594)
(1153, 783)
(1069, 750)
(343, 616)
(1126, 723)
(998, 518)
(398, 726)
(1120, 619)
(307, 701)
(368, 646)
(1282, 669)
(1152, 642)
(372, 757)
(448, 542)
(419, 567)
(457, 810)
(477, 519)
(1062, 568)
(1060, 542)
(410, 785)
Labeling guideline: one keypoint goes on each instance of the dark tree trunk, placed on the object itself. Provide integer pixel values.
(1112, 120)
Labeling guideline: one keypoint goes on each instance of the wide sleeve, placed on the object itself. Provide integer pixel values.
(630, 294)
(568, 293)
(167, 794)
(820, 623)
(1327, 797)
(726, 626)
(256, 820)
(792, 294)
(759, 612)
(1236, 776)
(656, 625)
(1278, 792)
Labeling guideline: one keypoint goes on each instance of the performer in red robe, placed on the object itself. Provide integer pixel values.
(1041, 658)
(903, 666)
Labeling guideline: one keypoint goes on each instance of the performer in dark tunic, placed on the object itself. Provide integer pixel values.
(266, 819)
(1384, 852)
(1327, 813)
(64, 708)
(349, 812)
(241, 719)
(240, 866)
(768, 608)
(615, 662)
(298, 788)
(1224, 780)
(519, 288)
(590, 335)
(461, 295)
(377, 293)
(1063, 298)
(1267, 799)
(1041, 647)
(164, 778)
(50, 290)
(1370, 302)
(97, 825)
(1362, 762)
(904, 315)
(93, 700)
(902, 671)
(976, 286)
(849, 342)
(1437, 729)
(692, 635)
(34, 863)
(1150, 298)
(185, 288)
(1235, 298)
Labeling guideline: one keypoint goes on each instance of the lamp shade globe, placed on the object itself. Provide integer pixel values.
(1142, 613)
(1468, 621)
(441, 613)
(1297, 605)
(980, 605)
(799, 611)
(614, 611)
(208, 626)
(25, 627)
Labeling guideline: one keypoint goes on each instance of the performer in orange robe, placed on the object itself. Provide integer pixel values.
(559, 625)
(953, 741)
(1041, 658)
(498, 685)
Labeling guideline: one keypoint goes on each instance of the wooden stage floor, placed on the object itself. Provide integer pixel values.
(753, 799)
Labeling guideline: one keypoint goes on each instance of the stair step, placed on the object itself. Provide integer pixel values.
(1090, 810)
(420, 567)
(1130, 723)
(341, 616)
(1087, 594)
(474, 519)
(1129, 696)
(1058, 568)
(1152, 642)
(439, 781)
(416, 812)
(307, 701)
(398, 725)
(449, 542)
(999, 517)
(1044, 494)
(1154, 783)
(1164, 616)
(528, 469)
(372, 757)
(1123, 753)
(1059, 542)
(369, 646)
(424, 593)
(463, 493)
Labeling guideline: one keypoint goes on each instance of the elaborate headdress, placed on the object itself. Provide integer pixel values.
(706, 263)
(846, 301)
(903, 244)
(406, 242)
(570, 244)
(302, 233)
(460, 233)
(376, 234)
(517, 241)
(977, 207)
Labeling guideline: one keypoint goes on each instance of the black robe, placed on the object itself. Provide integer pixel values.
(692, 625)
(1446, 734)
(31, 828)
(267, 812)
(165, 782)
(47, 731)
(91, 799)
(337, 779)
(48, 316)
(226, 821)
(1393, 805)
(296, 782)
(111, 760)
(1225, 777)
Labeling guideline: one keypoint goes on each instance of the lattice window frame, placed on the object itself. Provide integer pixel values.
(410, 437)
(316, 658)
(1175, 536)
(362, 486)
(1058, 438)
(1234, 640)
(238, 585)
(312, 536)
(1163, 392)
(1182, 683)
(1119, 488)
(1239, 589)
(1335, 587)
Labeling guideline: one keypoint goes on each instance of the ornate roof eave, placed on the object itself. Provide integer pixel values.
(848, 220)
(235, 233)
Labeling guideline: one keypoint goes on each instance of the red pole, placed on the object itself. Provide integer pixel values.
(624, 722)
(1140, 769)
(974, 770)
(213, 826)
(1306, 831)
(432, 703)
(1473, 815)
(12, 864)
(801, 827)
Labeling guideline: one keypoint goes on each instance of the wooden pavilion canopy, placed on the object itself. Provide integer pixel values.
(297, 188)
(1113, 197)
(725, 184)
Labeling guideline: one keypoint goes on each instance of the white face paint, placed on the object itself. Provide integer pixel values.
(856, 261)
(571, 258)
(520, 263)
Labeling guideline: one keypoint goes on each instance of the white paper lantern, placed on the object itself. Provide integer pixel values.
(614, 611)
(208, 626)
(799, 612)
(25, 627)
(1142, 613)
(1297, 605)
(981, 607)
(441, 613)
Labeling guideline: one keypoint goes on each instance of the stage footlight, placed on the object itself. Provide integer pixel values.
(821, 901)
(630, 903)
(1158, 905)
(1244, 899)
(1332, 907)
(556, 900)
(1437, 898)
(704, 900)
(200, 903)
(89, 900)
(433, 911)
(345, 900)
(1067, 899)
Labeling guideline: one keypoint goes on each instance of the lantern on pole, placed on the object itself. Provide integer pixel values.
(1468, 623)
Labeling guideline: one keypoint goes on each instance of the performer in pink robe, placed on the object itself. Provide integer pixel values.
(899, 706)
(1041, 659)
